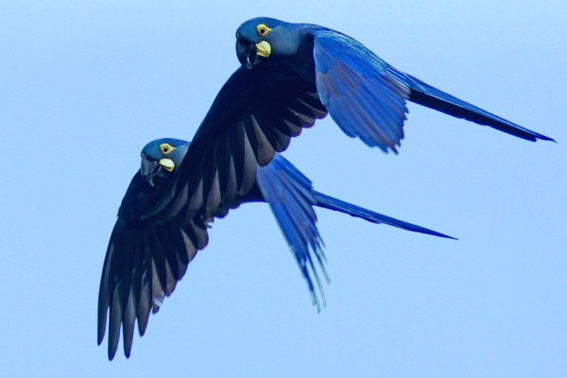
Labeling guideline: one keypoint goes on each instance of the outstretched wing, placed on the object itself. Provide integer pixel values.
(363, 94)
(251, 118)
(143, 263)
(367, 97)
(290, 196)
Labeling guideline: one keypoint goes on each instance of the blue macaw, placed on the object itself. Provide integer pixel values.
(365, 95)
(146, 258)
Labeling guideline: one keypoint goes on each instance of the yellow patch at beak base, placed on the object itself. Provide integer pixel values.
(168, 164)
(264, 49)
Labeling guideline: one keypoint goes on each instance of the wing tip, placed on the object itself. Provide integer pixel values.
(546, 138)
(446, 236)
(532, 136)
(111, 352)
(427, 231)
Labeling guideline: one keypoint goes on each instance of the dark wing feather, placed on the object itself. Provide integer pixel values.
(159, 231)
(254, 115)
(143, 263)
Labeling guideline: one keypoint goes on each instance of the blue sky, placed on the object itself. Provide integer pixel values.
(85, 84)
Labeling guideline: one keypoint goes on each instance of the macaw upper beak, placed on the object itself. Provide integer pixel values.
(248, 53)
(264, 49)
(149, 170)
(167, 164)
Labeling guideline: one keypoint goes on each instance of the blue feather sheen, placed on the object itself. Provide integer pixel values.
(364, 95)
(289, 194)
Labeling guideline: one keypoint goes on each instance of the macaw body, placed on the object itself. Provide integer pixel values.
(146, 258)
(364, 95)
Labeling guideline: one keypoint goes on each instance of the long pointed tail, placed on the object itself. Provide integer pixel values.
(335, 204)
(426, 95)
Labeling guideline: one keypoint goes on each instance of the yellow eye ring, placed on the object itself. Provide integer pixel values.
(166, 148)
(263, 30)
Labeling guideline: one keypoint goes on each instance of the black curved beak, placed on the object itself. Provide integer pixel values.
(149, 169)
(246, 52)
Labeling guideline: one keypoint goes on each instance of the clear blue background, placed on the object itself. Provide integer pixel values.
(85, 84)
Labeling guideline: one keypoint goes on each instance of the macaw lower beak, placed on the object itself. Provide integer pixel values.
(149, 170)
(249, 53)
(246, 53)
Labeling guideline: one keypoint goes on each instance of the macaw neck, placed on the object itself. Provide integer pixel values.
(299, 63)
(304, 63)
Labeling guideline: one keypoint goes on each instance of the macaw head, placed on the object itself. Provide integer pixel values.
(262, 38)
(161, 157)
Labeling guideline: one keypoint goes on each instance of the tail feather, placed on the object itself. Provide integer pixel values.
(335, 204)
(426, 95)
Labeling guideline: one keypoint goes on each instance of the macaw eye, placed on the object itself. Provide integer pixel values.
(166, 148)
(262, 30)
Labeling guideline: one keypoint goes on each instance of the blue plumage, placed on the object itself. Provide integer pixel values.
(291, 197)
(426, 95)
(364, 95)
(359, 91)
